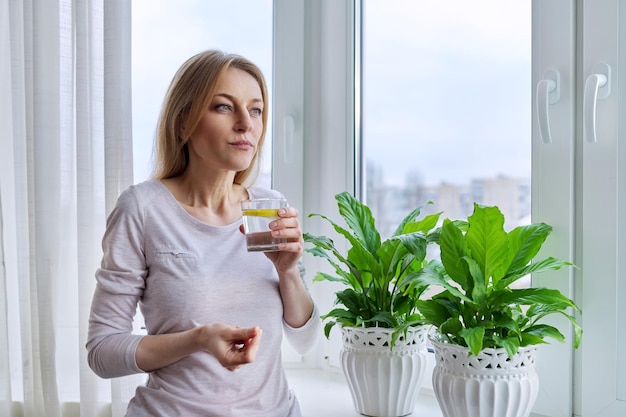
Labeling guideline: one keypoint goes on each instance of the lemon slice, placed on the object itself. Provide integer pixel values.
(261, 212)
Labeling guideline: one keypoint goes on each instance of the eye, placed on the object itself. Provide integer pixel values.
(257, 112)
(223, 107)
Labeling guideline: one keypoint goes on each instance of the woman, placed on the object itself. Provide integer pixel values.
(214, 313)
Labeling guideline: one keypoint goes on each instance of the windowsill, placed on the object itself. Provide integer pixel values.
(326, 393)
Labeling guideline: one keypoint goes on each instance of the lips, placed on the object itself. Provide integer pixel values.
(242, 144)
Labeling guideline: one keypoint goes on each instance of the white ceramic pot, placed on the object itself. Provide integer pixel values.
(383, 382)
(488, 385)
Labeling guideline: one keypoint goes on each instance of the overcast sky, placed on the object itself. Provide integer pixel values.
(446, 82)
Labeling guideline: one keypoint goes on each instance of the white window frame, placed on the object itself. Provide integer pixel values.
(601, 208)
(552, 187)
(314, 128)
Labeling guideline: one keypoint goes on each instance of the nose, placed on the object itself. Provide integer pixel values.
(243, 122)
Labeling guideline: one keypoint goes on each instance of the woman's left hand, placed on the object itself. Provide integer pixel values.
(297, 303)
(287, 226)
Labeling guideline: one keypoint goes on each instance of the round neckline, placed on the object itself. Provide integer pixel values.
(194, 220)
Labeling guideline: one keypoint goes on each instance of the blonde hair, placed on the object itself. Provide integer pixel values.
(186, 101)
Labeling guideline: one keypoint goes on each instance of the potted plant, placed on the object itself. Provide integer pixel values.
(384, 344)
(486, 329)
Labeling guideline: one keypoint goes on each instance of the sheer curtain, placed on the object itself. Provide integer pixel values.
(65, 155)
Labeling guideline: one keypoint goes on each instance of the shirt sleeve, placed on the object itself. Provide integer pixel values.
(304, 338)
(111, 345)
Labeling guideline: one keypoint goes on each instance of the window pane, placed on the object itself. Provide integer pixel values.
(166, 33)
(446, 107)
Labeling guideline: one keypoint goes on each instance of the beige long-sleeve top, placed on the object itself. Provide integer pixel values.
(181, 272)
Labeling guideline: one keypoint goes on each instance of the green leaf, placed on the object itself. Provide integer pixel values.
(423, 277)
(533, 268)
(453, 304)
(537, 311)
(340, 313)
(362, 263)
(328, 327)
(384, 317)
(359, 218)
(525, 243)
(322, 247)
(407, 219)
(473, 337)
(453, 251)
(543, 331)
(403, 304)
(504, 321)
(430, 276)
(415, 243)
(424, 225)
(487, 241)
(390, 254)
(531, 339)
(544, 301)
(479, 289)
(511, 344)
(529, 296)
(352, 300)
(434, 312)
(327, 243)
(578, 331)
(452, 326)
(322, 276)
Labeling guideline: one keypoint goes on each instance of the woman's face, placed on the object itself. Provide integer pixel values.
(227, 136)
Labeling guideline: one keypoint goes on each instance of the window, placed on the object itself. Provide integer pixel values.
(446, 108)
(574, 183)
(407, 114)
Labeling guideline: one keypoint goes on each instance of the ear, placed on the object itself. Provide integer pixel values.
(182, 122)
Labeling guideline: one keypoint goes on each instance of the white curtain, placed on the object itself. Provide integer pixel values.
(65, 155)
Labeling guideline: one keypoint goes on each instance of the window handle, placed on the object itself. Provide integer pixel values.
(548, 92)
(597, 87)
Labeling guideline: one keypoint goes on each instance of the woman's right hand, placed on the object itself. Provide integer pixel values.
(232, 346)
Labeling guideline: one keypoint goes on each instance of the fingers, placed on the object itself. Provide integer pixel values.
(288, 227)
(233, 347)
(245, 340)
(243, 349)
(288, 212)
